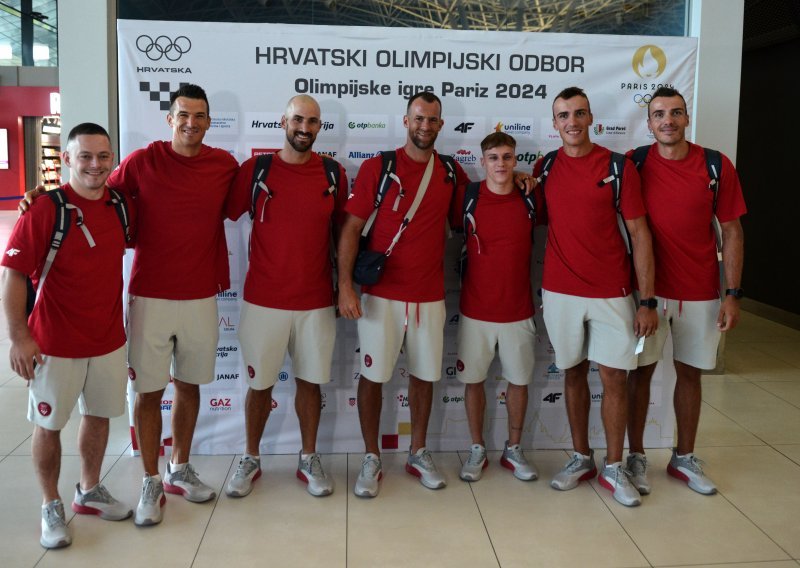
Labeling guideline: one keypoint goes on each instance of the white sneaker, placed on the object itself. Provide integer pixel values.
(615, 478)
(367, 484)
(472, 470)
(55, 532)
(579, 468)
(241, 484)
(99, 501)
(421, 465)
(515, 460)
(637, 465)
(310, 471)
(187, 483)
(688, 468)
(151, 503)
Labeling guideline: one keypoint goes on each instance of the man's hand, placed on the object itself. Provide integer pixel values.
(525, 182)
(728, 314)
(646, 322)
(25, 355)
(27, 199)
(349, 303)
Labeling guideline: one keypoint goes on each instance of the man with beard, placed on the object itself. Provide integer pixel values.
(296, 213)
(680, 207)
(408, 302)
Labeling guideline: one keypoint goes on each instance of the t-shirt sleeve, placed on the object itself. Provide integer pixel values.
(30, 238)
(361, 201)
(239, 196)
(631, 201)
(125, 177)
(730, 199)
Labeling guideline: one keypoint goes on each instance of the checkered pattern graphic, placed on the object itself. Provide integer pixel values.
(159, 92)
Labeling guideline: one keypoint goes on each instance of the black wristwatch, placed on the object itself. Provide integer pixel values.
(650, 303)
(737, 293)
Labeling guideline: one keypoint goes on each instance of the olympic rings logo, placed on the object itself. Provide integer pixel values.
(642, 100)
(163, 46)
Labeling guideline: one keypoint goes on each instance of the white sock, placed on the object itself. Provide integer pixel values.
(176, 467)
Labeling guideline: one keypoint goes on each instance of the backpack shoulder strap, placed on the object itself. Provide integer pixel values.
(616, 167)
(121, 207)
(639, 156)
(470, 203)
(450, 167)
(60, 229)
(547, 165)
(714, 167)
(333, 174)
(388, 174)
(260, 173)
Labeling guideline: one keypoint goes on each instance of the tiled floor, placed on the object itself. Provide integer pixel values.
(749, 436)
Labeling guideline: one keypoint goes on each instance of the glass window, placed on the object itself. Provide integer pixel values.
(620, 17)
(29, 38)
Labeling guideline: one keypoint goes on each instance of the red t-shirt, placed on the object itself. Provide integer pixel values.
(79, 312)
(585, 253)
(415, 270)
(497, 283)
(290, 266)
(181, 253)
(679, 211)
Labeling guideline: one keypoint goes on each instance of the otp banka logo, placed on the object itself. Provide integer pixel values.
(649, 61)
(163, 47)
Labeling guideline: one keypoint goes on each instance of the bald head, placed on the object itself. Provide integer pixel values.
(305, 101)
(302, 123)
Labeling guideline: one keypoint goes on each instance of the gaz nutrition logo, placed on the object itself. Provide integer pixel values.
(649, 61)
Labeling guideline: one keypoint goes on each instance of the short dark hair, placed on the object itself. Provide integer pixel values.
(570, 92)
(497, 139)
(426, 96)
(190, 92)
(667, 92)
(88, 128)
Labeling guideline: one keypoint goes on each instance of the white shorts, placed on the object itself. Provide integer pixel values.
(97, 383)
(600, 329)
(695, 336)
(267, 333)
(514, 343)
(383, 327)
(171, 337)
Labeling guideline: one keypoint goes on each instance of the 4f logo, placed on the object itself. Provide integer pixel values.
(12, 252)
(464, 127)
(552, 397)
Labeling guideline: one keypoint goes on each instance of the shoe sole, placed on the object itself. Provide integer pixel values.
(413, 471)
(230, 493)
(60, 544)
(474, 477)
(149, 521)
(509, 465)
(678, 474)
(175, 490)
(592, 473)
(605, 483)
(309, 487)
(86, 510)
(366, 493)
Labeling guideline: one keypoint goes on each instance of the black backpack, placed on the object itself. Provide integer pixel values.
(468, 215)
(61, 229)
(714, 169)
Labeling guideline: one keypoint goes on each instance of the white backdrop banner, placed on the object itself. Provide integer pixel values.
(362, 78)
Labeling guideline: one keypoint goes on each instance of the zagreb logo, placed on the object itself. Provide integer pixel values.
(367, 361)
(163, 47)
(44, 409)
(460, 366)
(649, 61)
(251, 372)
(131, 374)
(351, 401)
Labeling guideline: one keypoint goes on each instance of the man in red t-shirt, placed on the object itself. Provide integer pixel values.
(680, 208)
(72, 347)
(497, 305)
(291, 241)
(407, 305)
(587, 302)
